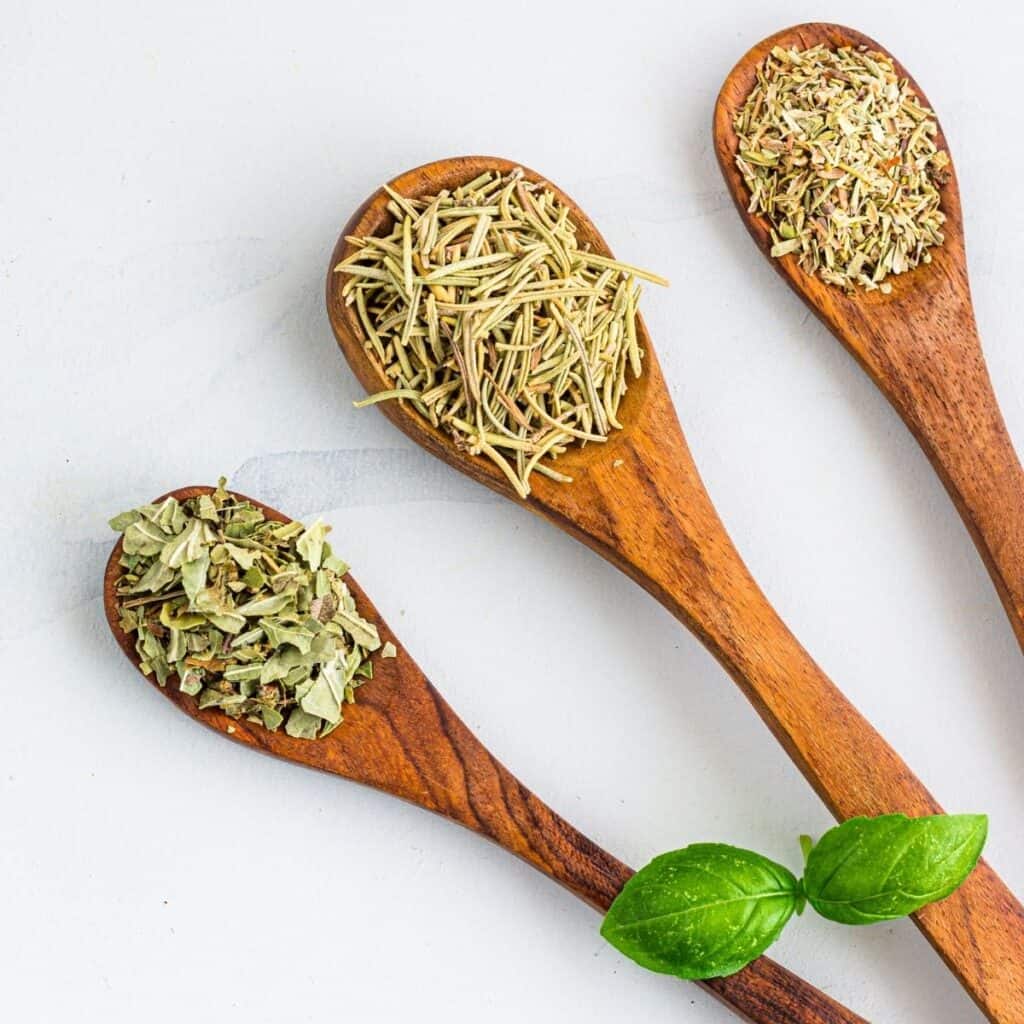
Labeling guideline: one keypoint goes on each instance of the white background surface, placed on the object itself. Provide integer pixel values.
(172, 182)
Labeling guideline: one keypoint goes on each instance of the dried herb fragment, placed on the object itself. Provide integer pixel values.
(840, 155)
(253, 616)
(496, 324)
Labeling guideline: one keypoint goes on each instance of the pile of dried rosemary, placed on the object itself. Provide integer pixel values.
(252, 615)
(840, 155)
(495, 323)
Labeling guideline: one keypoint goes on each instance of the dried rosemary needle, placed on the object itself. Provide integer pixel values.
(840, 155)
(496, 324)
(251, 615)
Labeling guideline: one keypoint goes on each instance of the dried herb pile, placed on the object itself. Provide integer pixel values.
(496, 324)
(253, 615)
(840, 155)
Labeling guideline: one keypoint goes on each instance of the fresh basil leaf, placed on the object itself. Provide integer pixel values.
(703, 911)
(877, 869)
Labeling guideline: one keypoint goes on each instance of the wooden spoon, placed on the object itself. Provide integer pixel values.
(401, 737)
(920, 344)
(638, 501)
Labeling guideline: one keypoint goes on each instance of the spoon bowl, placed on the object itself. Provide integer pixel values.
(374, 218)
(831, 303)
(402, 738)
(639, 501)
(919, 344)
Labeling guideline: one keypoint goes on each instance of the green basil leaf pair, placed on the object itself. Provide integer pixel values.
(709, 909)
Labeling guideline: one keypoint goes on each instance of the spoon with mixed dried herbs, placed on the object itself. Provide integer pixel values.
(843, 178)
(638, 500)
(839, 155)
(399, 736)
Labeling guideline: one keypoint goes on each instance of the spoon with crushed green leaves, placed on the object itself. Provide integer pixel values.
(250, 624)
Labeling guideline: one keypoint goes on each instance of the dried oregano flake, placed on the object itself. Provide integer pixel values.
(495, 323)
(839, 154)
(251, 615)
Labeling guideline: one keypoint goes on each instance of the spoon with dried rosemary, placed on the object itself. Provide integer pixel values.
(399, 736)
(843, 178)
(493, 320)
(637, 499)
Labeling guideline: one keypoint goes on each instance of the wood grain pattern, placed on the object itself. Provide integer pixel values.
(401, 737)
(919, 345)
(638, 501)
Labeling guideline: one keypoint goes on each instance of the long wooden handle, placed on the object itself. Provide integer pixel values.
(488, 799)
(674, 545)
(401, 737)
(979, 930)
(938, 382)
(920, 346)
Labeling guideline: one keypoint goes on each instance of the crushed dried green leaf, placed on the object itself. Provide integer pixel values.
(250, 615)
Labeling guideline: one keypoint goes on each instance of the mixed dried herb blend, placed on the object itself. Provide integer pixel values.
(840, 155)
(496, 324)
(253, 616)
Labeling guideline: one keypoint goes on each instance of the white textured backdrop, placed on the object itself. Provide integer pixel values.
(172, 180)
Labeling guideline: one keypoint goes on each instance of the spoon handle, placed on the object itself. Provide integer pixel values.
(403, 739)
(477, 791)
(920, 346)
(934, 374)
(672, 542)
